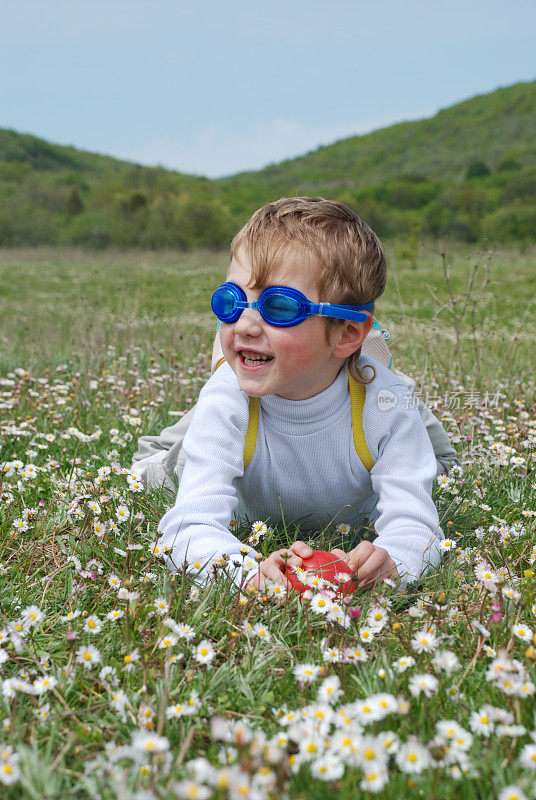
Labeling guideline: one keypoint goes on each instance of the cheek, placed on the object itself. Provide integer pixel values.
(303, 349)
(226, 336)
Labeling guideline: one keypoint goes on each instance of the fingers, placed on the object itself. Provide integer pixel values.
(285, 559)
(301, 549)
(269, 570)
(340, 554)
(378, 566)
(274, 571)
(370, 570)
(275, 567)
(359, 555)
(371, 563)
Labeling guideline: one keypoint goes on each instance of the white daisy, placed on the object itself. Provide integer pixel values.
(31, 615)
(424, 641)
(512, 792)
(169, 640)
(329, 690)
(482, 722)
(204, 652)
(70, 616)
(445, 660)
(9, 765)
(412, 757)
(353, 655)
(161, 606)
(448, 728)
(377, 618)
(327, 768)
(44, 684)
(145, 743)
(425, 683)
(321, 604)
(371, 754)
(522, 632)
(114, 614)
(374, 780)
(403, 663)
(306, 673)
(87, 655)
(122, 514)
(93, 624)
(343, 528)
(261, 631)
(527, 756)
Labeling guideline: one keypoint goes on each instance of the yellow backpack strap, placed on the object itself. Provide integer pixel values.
(253, 424)
(357, 403)
(251, 433)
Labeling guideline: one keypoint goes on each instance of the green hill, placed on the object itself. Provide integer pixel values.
(494, 128)
(468, 172)
(40, 155)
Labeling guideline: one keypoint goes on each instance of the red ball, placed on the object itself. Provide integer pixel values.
(325, 565)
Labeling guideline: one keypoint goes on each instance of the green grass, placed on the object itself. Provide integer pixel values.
(65, 304)
(68, 304)
(87, 339)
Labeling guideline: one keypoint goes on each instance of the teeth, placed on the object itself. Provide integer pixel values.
(254, 357)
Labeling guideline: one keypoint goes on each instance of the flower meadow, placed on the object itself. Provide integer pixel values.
(121, 680)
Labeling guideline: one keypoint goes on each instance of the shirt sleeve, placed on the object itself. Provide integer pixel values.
(406, 519)
(195, 532)
(444, 451)
(156, 456)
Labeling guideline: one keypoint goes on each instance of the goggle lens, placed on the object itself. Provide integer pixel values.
(224, 304)
(280, 308)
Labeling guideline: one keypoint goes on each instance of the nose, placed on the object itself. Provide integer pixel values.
(249, 323)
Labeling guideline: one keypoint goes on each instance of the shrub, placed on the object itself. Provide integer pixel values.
(404, 194)
(202, 223)
(509, 165)
(75, 206)
(94, 228)
(14, 170)
(516, 223)
(477, 169)
(522, 187)
(134, 202)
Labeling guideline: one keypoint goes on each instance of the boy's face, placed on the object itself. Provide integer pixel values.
(301, 361)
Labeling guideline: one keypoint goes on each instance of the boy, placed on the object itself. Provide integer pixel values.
(294, 312)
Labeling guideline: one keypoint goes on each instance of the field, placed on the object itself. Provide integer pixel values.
(121, 680)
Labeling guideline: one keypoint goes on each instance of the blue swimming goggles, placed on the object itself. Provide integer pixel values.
(281, 306)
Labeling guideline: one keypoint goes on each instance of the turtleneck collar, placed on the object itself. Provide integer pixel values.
(318, 408)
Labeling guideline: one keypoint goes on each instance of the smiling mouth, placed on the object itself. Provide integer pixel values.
(251, 359)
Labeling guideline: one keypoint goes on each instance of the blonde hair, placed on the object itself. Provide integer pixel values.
(325, 236)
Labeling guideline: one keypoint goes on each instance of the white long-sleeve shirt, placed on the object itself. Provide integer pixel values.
(305, 469)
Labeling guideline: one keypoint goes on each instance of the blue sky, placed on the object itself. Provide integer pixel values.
(216, 87)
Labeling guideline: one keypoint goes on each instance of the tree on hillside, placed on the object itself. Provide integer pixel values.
(477, 169)
(75, 204)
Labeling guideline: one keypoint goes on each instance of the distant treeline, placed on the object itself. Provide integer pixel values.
(468, 173)
(141, 209)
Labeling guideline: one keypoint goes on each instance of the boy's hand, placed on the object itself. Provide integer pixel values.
(275, 566)
(372, 563)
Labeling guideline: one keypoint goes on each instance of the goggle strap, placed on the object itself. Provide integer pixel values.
(331, 310)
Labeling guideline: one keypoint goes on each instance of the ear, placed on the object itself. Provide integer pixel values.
(351, 337)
